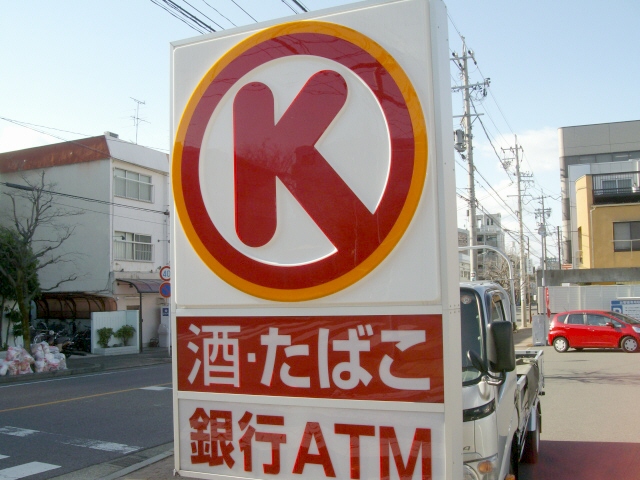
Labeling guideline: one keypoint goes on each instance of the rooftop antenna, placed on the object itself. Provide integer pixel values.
(137, 119)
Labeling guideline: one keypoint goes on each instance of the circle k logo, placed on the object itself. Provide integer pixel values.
(299, 161)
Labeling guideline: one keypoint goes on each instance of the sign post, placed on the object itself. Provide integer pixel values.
(314, 261)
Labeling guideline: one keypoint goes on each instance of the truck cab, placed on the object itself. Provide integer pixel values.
(499, 390)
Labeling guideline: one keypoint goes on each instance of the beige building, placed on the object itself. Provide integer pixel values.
(605, 148)
(608, 220)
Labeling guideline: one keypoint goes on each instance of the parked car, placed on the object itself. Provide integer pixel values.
(594, 329)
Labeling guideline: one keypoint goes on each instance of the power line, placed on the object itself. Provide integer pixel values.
(30, 126)
(290, 7)
(86, 199)
(199, 11)
(247, 13)
(174, 14)
(218, 12)
(300, 5)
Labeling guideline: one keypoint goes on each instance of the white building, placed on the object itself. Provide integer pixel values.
(121, 239)
(489, 232)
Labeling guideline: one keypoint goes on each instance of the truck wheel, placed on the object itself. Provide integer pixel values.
(513, 464)
(532, 443)
(561, 344)
(629, 344)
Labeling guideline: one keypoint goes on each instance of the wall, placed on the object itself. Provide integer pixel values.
(150, 221)
(603, 218)
(594, 297)
(86, 252)
(584, 194)
(127, 298)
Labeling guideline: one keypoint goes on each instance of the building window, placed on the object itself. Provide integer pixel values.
(132, 246)
(616, 185)
(132, 185)
(626, 237)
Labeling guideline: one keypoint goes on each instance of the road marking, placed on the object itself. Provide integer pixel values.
(3, 456)
(24, 470)
(74, 399)
(75, 441)
(76, 377)
(156, 388)
(17, 432)
(99, 445)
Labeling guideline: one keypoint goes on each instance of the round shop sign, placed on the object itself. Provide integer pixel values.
(299, 161)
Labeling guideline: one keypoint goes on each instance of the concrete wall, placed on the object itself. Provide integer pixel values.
(584, 276)
(584, 248)
(599, 138)
(86, 253)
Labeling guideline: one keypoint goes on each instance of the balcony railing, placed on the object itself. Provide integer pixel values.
(623, 187)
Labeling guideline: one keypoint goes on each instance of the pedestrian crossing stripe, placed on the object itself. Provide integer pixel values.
(66, 440)
(25, 470)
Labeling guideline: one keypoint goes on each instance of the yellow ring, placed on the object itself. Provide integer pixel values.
(413, 196)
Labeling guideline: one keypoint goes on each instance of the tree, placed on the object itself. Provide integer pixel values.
(10, 256)
(32, 235)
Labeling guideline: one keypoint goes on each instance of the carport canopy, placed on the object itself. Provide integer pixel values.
(72, 305)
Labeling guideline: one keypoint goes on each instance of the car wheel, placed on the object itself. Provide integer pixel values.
(629, 344)
(561, 344)
(532, 443)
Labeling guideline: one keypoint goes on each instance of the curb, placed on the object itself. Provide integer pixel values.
(113, 469)
(34, 377)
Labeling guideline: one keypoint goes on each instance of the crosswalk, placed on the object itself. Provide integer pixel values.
(32, 468)
(24, 470)
(28, 469)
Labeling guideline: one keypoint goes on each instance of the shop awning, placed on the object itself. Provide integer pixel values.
(142, 286)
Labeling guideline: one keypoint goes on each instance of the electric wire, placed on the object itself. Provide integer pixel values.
(247, 13)
(219, 13)
(174, 14)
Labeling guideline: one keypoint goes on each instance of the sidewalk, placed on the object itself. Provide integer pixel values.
(81, 364)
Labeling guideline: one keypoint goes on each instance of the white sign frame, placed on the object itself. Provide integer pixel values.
(196, 291)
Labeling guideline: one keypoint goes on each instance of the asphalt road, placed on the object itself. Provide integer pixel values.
(590, 421)
(65, 424)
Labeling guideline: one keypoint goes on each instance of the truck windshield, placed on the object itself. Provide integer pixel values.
(471, 329)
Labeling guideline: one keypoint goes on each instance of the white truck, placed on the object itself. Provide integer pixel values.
(500, 387)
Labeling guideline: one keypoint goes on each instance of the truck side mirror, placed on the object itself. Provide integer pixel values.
(500, 347)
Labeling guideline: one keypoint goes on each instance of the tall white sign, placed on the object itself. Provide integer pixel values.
(314, 269)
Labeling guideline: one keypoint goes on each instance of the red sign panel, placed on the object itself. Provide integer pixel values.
(370, 357)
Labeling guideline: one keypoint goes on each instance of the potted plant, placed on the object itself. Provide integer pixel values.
(124, 333)
(104, 335)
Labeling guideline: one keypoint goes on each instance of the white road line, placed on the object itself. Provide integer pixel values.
(99, 445)
(26, 469)
(3, 456)
(156, 389)
(75, 441)
(17, 432)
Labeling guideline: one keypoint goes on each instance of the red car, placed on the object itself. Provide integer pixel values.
(594, 329)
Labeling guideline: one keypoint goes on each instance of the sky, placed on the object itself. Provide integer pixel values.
(76, 68)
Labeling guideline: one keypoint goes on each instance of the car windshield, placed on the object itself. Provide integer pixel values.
(471, 329)
(626, 318)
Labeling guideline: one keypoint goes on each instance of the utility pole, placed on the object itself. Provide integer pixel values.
(523, 283)
(559, 248)
(461, 62)
(543, 214)
(137, 119)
